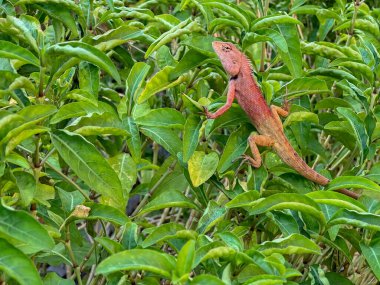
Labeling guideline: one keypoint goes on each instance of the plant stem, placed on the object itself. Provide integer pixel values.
(72, 257)
(351, 32)
(149, 194)
(69, 181)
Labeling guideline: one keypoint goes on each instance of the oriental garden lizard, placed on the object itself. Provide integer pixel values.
(266, 119)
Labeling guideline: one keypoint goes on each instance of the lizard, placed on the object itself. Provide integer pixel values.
(266, 119)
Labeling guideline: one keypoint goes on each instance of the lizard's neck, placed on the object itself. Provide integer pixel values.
(246, 67)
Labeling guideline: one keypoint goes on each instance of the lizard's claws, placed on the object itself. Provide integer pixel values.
(207, 113)
(286, 105)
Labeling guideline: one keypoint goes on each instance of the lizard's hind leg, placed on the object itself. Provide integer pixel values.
(277, 112)
(255, 140)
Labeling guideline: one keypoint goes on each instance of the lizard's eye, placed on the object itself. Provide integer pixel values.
(234, 61)
(226, 48)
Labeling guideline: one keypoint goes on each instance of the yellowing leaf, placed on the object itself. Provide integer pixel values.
(202, 166)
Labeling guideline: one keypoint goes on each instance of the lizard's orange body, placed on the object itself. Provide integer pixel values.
(265, 118)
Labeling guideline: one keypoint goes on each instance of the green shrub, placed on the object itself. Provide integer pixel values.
(111, 174)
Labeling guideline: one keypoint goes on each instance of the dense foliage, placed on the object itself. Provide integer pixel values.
(111, 174)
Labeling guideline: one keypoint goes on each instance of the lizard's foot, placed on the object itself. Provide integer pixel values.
(251, 161)
(286, 105)
(208, 114)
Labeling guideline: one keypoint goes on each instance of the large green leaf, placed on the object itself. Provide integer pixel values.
(125, 167)
(166, 137)
(302, 86)
(138, 259)
(293, 244)
(86, 162)
(270, 21)
(163, 232)
(369, 187)
(17, 265)
(162, 117)
(336, 199)
(106, 213)
(159, 82)
(371, 253)
(136, 79)
(166, 200)
(234, 148)
(291, 201)
(185, 260)
(292, 58)
(23, 231)
(362, 220)
(11, 50)
(85, 52)
(202, 166)
(191, 134)
(211, 216)
(358, 128)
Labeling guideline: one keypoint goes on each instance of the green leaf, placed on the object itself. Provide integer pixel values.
(370, 188)
(159, 82)
(292, 58)
(13, 262)
(108, 244)
(53, 279)
(82, 96)
(27, 186)
(356, 219)
(291, 201)
(106, 213)
(202, 166)
(136, 79)
(358, 129)
(164, 200)
(167, 138)
(206, 279)
(191, 134)
(134, 141)
(126, 170)
(301, 116)
(85, 160)
(85, 52)
(371, 253)
(23, 29)
(234, 148)
(188, 62)
(89, 78)
(138, 259)
(336, 199)
(331, 102)
(77, 109)
(233, 117)
(24, 231)
(303, 86)
(184, 27)
(293, 244)
(233, 10)
(185, 260)
(211, 216)
(162, 117)
(270, 21)
(162, 232)
(13, 51)
(98, 124)
(244, 199)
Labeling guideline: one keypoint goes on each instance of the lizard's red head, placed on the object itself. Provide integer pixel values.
(230, 57)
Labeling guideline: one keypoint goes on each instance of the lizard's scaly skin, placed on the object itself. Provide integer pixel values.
(251, 100)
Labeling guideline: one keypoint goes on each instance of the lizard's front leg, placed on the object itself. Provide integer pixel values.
(255, 140)
(225, 107)
(277, 112)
